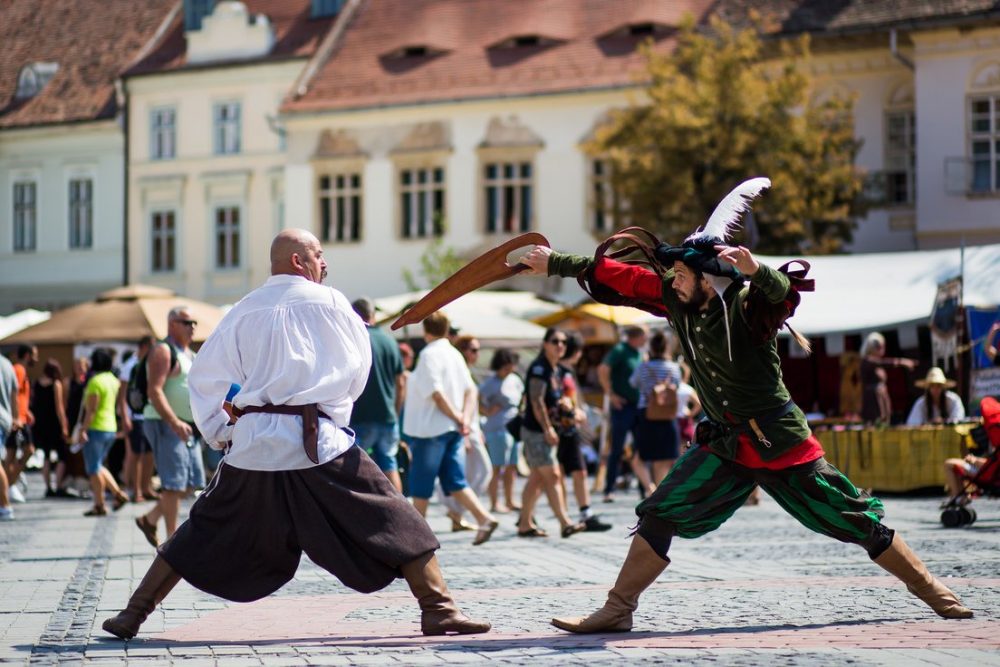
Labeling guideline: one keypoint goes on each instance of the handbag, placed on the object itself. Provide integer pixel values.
(513, 425)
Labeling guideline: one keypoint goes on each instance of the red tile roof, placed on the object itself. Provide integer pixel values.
(578, 50)
(295, 35)
(91, 42)
(853, 16)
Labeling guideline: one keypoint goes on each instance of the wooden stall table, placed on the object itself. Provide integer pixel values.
(895, 459)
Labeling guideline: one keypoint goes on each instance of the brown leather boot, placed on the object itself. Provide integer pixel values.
(641, 568)
(438, 613)
(900, 561)
(159, 580)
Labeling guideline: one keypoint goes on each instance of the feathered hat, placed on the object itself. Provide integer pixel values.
(698, 250)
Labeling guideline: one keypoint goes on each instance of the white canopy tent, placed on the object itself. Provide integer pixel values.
(21, 320)
(877, 291)
(494, 317)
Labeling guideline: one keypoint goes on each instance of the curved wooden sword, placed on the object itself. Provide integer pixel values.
(481, 271)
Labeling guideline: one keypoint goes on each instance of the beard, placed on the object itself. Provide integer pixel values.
(699, 297)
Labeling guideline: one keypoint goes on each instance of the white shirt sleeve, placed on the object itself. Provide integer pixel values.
(956, 411)
(215, 369)
(916, 417)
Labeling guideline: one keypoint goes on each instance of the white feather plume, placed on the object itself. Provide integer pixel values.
(725, 219)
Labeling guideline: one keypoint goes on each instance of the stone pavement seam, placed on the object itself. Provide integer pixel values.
(68, 631)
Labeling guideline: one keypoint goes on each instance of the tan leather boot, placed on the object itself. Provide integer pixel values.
(900, 561)
(159, 580)
(439, 614)
(641, 568)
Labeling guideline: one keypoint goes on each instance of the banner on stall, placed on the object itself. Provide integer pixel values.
(985, 382)
(944, 324)
(980, 322)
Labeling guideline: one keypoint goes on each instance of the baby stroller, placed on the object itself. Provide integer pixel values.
(981, 477)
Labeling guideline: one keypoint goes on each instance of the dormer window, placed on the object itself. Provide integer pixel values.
(524, 41)
(640, 30)
(325, 8)
(33, 78)
(413, 51)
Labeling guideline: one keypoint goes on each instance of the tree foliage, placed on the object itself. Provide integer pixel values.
(437, 263)
(718, 111)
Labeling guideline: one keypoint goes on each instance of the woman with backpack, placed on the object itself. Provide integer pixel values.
(657, 441)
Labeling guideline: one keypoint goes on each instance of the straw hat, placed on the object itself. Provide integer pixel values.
(935, 376)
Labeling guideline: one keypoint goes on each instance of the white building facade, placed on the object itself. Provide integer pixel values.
(62, 194)
(206, 152)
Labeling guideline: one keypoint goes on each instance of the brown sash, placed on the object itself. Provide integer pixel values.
(310, 422)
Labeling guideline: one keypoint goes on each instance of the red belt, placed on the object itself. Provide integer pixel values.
(310, 414)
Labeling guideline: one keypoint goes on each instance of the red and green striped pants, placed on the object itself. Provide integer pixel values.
(703, 490)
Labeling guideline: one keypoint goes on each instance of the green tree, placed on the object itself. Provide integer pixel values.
(720, 109)
(437, 262)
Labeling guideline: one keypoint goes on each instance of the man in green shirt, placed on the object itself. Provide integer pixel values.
(374, 418)
(754, 434)
(613, 374)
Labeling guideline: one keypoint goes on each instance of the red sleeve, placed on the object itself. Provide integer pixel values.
(630, 280)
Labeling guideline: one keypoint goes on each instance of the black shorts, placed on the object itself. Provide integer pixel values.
(569, 455)
(50, 440)
(656, 440)
(22, 437)
(137, 440)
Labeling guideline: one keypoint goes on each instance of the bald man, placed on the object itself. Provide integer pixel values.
(292, 479)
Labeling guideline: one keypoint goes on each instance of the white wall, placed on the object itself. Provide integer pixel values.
(196, 180)
(374, 265)
(951, 66)
(53, 275)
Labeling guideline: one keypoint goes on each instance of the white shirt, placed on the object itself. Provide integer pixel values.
(953, 403)
(289, 342)
(440, 368)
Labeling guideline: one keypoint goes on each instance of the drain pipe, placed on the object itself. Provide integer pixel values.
(894, 50)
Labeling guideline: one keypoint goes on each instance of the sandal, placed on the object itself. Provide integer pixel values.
(148, 530)
(96, 511)
(120, 502)
(534, 531)
(573, 529)
(485, 532)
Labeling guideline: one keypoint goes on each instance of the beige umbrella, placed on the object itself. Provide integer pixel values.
(122, 314)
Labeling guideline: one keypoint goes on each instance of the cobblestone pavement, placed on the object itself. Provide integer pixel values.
(761, 590)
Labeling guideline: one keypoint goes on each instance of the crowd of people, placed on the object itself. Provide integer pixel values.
(296, 384)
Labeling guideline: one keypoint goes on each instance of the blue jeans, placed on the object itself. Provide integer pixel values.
(440, 457)
(380, 441)
(502, 447)
(622, 422)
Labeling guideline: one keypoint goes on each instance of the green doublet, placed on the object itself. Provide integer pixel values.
(748, 386)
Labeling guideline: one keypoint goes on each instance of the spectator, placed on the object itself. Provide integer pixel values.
(571, 418)
(478, 472)
(614, 373)
(440, 404)
(374, 418)
(99, 430)
(141, 460)
(657, 441)
(937, 405)
(20, 439)
(51, 425)
(541, 439)
(876, 406)
(8, 417)
(169, 423)
(499, 397)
